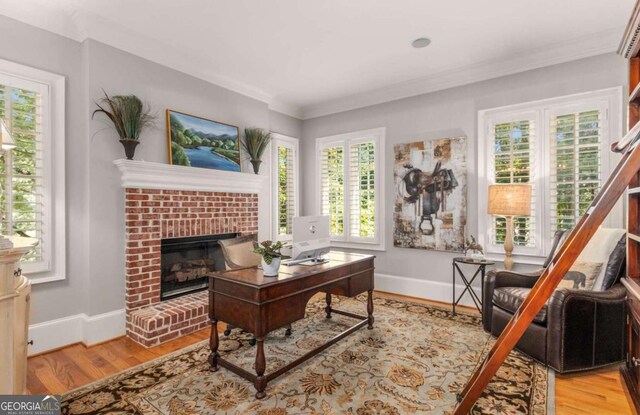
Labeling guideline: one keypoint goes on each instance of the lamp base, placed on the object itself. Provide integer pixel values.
(508, 244)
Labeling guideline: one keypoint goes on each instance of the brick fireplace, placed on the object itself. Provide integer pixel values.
(153, 215)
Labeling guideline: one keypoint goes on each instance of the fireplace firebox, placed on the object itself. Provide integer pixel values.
(185, 263)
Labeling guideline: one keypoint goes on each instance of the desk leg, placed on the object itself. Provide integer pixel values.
(213, 344)
(370, 309)
(327, 309)
(261, 381)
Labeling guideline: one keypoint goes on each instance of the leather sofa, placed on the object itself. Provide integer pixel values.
(577, 329)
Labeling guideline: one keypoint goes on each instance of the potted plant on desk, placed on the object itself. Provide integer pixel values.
(271, 257)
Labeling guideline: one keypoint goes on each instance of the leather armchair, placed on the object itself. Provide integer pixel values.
(576, 329)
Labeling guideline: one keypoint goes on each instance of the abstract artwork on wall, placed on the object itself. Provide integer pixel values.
(430, 209)
(198, 142)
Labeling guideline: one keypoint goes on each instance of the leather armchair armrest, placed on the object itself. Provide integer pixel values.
(560, 296)
(586, 329)
(502, 278)
(516, 279)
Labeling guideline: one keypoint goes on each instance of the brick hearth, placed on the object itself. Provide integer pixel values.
(152, 215)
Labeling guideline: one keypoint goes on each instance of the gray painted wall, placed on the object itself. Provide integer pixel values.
(95, 200)
(40, 49)
(447, 113)
(118, 72)
(95, 224)
(285, 125)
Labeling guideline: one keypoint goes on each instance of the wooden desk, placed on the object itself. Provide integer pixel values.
(246, 299)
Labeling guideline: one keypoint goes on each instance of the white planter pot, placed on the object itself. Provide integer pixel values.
(271, 270)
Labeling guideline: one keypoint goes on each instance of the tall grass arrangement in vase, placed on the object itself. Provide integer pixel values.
(255, 142)
(129, 116)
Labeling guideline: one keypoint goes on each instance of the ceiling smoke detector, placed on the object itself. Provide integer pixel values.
(422, 42)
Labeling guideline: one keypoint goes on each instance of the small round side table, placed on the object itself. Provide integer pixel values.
(481, 265)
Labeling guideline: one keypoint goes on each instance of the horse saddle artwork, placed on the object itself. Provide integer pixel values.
(430, 190)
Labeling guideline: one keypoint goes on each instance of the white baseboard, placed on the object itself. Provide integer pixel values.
(104, 326)
(430, 290)
(95, 329)
(89, 330)
(55, 333)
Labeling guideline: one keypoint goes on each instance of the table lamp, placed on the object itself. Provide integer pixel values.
(7, 144)
(509, 200)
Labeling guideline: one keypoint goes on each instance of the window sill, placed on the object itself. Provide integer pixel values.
(35, 280)
(358, 245)
(39, 273)
(517, 258)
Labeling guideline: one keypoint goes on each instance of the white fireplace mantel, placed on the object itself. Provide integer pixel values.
(148, 175)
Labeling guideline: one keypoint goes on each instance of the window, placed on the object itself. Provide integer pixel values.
(32, 201)
(576, 146)
(514, 162)
(559, 146)
(285, 162)
(351, 188)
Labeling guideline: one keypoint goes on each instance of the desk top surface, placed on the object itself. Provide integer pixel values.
(254, 276)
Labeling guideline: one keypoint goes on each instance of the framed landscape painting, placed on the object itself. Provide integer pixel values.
(198, 142)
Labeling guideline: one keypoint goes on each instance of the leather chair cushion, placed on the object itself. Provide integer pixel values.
(510, 298)
(238, 252)
(616, 265)
(599, 249)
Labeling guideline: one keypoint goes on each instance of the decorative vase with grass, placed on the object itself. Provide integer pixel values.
(255, 142)
(271, 257)
(129, 117)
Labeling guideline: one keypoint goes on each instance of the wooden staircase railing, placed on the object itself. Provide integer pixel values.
(614, 187)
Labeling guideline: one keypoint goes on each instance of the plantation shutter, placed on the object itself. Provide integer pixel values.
(332, 187)
(21, 169)
(362, 190)
(575, 162)
(514, 161)
(286, 189)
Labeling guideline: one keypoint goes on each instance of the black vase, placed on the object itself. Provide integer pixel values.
(256, 165)
(129, 147)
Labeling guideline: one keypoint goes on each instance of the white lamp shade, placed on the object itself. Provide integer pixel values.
(510, 199)
(8, 143)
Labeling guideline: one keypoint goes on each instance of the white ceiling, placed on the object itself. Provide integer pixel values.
(310, 58)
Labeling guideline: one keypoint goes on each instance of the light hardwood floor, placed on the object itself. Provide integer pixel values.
(600, 392)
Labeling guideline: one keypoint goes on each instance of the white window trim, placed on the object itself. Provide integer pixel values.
(53, 267)
(347, 139)
(280, 140)
(610, 98)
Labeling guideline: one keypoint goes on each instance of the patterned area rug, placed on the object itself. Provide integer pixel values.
(413, 362)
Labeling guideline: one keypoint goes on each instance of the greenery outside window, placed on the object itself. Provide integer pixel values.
(560, 147)
(286, 194)
(32, 174)
(350, 187)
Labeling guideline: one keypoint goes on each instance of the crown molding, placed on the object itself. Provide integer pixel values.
(291, 110)
(78, 24)
(587, 46)
(115, 35)
(630, 42)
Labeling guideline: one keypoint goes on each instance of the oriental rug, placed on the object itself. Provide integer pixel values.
(414, 361)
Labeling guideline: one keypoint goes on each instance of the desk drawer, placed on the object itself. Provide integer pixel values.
(326, 278)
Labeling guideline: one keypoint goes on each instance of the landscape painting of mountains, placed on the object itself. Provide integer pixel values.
(198, 142)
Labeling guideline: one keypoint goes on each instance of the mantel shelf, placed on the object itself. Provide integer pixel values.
(148, 175)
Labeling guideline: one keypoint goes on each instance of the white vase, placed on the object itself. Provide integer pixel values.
(271, 270)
